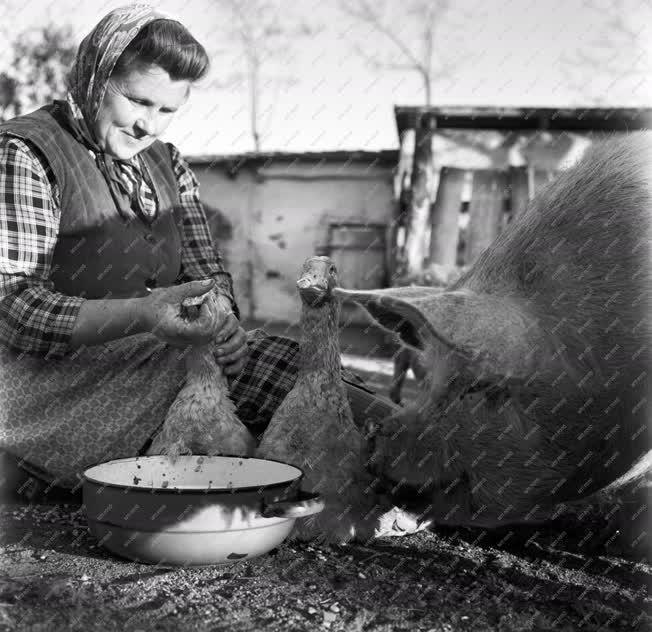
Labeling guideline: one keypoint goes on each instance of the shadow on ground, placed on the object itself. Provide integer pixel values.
(54, 577)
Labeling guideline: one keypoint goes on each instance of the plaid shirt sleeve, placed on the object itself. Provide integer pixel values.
(33, 317)
(199, 258)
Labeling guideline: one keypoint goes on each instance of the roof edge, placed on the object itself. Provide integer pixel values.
(527, 118)
(235, 162)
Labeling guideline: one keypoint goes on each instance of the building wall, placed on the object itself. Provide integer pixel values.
(279, 216)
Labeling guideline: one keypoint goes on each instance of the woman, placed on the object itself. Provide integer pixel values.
(102, 236)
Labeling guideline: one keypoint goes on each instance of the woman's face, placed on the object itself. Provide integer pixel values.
(136, 110)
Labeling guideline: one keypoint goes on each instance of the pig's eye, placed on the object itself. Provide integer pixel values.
(476, 387)
(471, 390)
(491, 392)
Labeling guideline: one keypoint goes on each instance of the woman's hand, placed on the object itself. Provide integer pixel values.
(167, 319)
(232, 349)
(230, 338)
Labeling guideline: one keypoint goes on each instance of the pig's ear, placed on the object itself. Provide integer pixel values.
(393, 310)
(494, 334)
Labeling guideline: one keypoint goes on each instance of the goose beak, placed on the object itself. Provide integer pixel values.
(313, 292)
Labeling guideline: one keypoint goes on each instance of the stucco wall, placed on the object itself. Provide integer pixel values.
(280, 215)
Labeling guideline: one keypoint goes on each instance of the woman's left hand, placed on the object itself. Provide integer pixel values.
(231, 343)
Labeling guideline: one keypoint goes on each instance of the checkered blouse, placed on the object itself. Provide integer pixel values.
(33, 317)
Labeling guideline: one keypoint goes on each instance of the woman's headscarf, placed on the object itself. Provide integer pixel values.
(96, 58)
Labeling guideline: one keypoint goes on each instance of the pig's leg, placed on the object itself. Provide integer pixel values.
(401, 366)
(417, 366)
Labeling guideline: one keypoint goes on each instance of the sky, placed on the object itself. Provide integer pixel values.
(321, 92)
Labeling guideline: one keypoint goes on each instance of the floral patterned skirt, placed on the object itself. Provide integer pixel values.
(60, 416)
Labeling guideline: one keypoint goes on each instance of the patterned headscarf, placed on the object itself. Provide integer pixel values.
(89, 78)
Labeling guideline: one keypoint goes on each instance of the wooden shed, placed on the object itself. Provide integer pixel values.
(487, 162)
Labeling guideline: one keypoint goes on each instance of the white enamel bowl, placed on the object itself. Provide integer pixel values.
(201, 510)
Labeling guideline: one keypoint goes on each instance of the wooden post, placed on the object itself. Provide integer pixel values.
(538, 179)
(518, 191)
(486, 211)
(419, 208)
(445, 215)
(395, 258)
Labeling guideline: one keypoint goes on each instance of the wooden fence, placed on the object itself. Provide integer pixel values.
(497, 197)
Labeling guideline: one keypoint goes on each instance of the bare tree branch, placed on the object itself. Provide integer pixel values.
(375, 63)
(602, 59)
(367, 12)
(263, 35)
(419, 54)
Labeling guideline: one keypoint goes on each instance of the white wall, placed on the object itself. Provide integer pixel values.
(280, 216)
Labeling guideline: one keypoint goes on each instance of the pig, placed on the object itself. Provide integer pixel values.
(537, 357)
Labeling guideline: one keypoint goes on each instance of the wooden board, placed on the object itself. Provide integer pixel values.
(538, 179)
(486, 211)
(444, 218)
(518, 191)
(358, 250)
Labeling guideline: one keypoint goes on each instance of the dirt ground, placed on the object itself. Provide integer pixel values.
(569, 575)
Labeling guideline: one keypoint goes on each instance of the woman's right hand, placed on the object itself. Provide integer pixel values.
(165, 317)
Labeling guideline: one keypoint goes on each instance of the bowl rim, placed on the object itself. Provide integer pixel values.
(201, 490)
